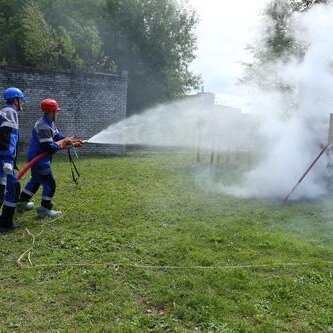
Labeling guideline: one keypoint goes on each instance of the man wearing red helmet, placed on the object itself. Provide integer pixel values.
(45, 137)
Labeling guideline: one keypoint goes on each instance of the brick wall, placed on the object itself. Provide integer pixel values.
(89, 102)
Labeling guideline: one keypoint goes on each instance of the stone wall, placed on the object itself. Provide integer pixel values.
(89, 102)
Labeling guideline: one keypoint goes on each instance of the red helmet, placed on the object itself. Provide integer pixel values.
(49, 104)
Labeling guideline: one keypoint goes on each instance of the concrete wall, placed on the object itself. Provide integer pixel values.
(89, 102)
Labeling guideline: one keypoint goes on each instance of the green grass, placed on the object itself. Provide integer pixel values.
(142, 248)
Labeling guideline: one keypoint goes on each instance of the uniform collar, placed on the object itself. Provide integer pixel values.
(47, 119)
(11, 106)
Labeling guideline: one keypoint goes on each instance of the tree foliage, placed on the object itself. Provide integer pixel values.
(153, 40)
(39, 40)
(277, 42)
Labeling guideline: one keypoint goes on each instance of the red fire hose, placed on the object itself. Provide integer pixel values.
(39, 157)
(31, 163)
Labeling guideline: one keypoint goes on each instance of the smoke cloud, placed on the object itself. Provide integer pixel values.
(294, 124)
(285, 129)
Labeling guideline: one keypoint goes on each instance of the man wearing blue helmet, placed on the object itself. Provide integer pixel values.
(9, 138)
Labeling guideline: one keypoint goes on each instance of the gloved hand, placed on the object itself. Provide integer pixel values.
(75, 142)
(78, 142)
(64, 143)
(8, 168)
(69, 141)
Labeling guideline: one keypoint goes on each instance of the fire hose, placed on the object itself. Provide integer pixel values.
(31, 163)
(74, 171)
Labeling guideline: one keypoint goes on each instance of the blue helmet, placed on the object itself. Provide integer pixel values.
(12, 92)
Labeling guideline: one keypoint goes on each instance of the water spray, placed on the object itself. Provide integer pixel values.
(92, 142)
(330, 141)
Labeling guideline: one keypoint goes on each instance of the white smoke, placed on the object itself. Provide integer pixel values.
(295, 139)
(287, 129)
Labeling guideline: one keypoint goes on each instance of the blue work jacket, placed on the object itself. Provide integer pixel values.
(44, 137)
(9, 134)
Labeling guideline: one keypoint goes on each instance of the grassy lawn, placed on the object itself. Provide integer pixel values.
(142, 248)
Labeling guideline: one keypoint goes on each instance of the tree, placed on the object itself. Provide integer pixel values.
(40, 41)
(155, 42)
(277, 43)
(11, 52)
(68, 41)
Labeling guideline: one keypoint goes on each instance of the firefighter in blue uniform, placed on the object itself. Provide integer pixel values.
(9, 139)
(45, 136)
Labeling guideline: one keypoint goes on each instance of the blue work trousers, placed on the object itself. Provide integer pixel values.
(44, 178)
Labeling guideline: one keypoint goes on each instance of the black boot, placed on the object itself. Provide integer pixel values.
(2, 194)
(6, 219)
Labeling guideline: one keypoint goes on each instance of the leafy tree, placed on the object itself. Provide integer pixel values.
(40, 41)
(153, 40)
(277, 42)
(11, 51)
(68, 41)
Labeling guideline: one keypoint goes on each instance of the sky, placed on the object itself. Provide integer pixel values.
(224, 30)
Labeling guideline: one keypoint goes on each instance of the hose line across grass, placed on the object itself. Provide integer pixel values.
(116, 266)
(29, 250)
